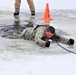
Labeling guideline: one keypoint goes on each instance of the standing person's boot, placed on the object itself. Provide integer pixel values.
(16, 16)
(31, 20)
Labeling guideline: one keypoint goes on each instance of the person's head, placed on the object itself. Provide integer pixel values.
(49, 32)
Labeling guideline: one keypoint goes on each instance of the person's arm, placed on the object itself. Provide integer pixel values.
(38, 39)
(65, 40)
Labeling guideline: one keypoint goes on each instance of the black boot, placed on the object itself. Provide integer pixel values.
(16, 16)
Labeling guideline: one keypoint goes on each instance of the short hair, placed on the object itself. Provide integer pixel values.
(51, 29)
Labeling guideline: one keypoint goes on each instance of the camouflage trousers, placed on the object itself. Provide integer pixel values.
(30, 3)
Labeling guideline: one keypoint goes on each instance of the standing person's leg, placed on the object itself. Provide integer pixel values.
(17, 7)
(31, 7)
(16, 13)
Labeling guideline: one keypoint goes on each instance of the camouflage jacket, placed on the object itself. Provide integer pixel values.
(35, 35)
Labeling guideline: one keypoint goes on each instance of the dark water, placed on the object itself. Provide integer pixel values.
(7, 27)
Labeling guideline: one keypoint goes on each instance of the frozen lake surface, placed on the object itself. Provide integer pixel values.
(20, 57)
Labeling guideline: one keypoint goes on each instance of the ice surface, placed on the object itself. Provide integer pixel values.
(23, 57)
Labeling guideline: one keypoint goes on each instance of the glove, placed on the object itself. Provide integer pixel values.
(47, 44)
(70, 42)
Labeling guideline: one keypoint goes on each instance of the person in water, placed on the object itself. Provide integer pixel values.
(41, 34)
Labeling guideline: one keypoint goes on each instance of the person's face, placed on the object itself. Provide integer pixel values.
(48, 34)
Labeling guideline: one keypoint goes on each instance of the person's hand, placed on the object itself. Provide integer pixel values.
(47, 44)
(70, 42)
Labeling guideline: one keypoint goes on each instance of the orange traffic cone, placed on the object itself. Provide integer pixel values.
(47, 17)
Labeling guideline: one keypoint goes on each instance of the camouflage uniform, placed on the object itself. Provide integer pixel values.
(30, 3)
(38, 34)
